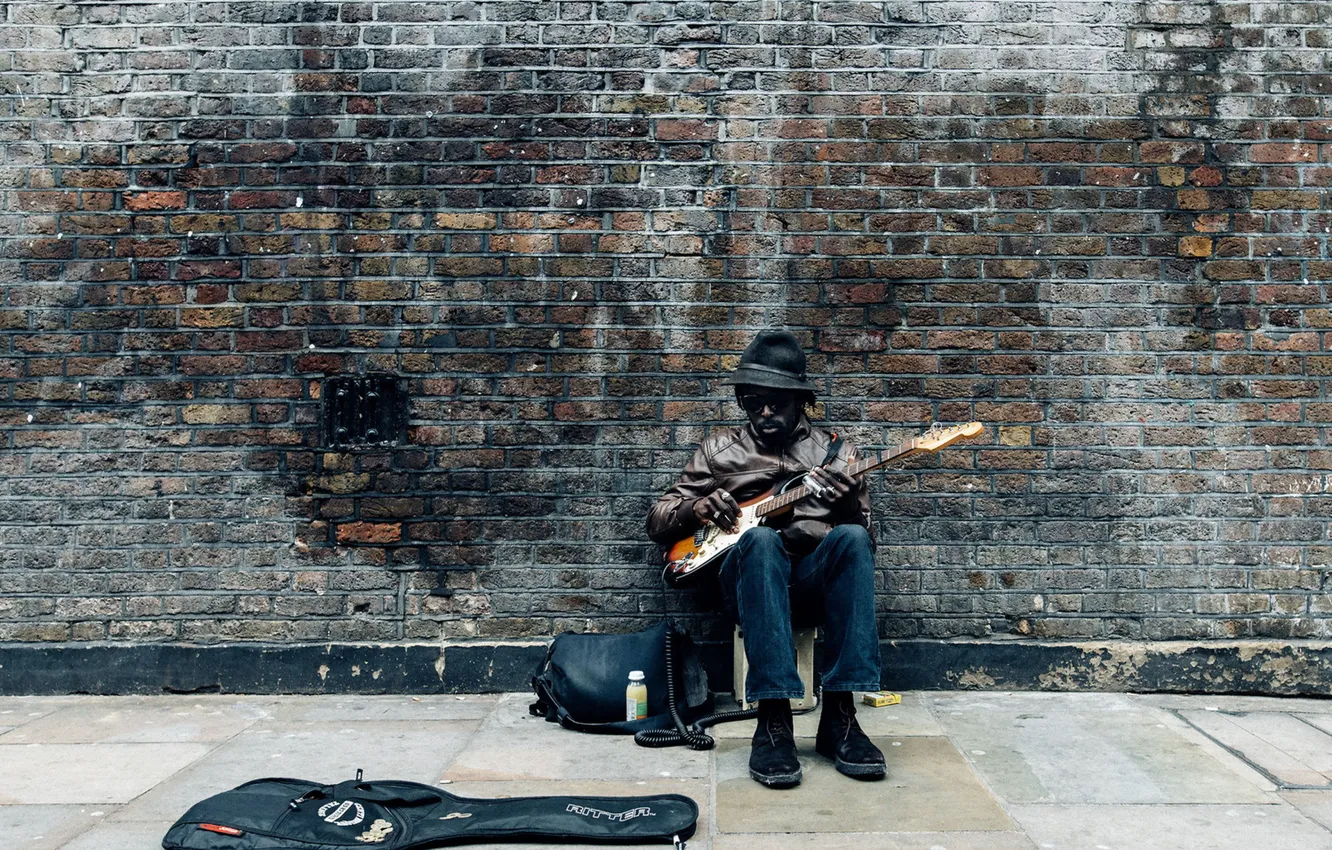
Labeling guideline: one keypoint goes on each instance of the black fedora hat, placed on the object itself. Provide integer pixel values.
(774, 359)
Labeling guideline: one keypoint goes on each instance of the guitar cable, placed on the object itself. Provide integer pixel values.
(692, 735)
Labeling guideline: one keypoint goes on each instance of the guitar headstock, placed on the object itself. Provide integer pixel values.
(938, 436)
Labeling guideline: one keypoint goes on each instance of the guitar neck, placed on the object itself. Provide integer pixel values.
(780, 501)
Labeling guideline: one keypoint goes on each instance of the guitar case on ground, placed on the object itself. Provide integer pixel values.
(296, 814)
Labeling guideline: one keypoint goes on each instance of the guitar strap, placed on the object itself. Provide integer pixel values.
(833, 448)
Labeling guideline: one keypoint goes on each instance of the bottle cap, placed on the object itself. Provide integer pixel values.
(636, 676)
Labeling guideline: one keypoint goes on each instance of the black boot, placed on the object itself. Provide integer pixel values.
(773, 760)
(841, 739)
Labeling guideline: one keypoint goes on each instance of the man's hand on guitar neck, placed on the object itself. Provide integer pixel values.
(718, 508)
(830, 486)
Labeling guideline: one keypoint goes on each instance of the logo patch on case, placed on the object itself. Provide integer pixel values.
(333, 812)
(597, 814)
(377, 832)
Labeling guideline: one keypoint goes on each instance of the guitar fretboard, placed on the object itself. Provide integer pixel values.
(776, 503)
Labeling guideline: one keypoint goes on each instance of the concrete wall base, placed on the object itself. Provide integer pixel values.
(1281, 668)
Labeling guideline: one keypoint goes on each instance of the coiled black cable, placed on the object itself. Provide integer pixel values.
(691, 735)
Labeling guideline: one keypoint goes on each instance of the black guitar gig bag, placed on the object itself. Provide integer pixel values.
(296, 814)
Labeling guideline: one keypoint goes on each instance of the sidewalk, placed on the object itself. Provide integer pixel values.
(966, 770)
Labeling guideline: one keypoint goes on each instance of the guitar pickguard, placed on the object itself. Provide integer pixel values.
(707, 546)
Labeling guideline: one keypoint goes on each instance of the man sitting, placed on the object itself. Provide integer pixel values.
(821, 552)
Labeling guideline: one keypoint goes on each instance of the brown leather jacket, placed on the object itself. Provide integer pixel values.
(735, 461)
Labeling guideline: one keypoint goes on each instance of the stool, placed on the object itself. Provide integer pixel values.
(804, 644)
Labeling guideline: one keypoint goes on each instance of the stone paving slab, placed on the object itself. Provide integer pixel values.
(1309, 744)
(329, 752)
(1255, 747)
(1221, 702)
(1221, 827)
(875, 841)
(89, 773)
(929, 788)
(121, 836)
(1315, 805)
(16, 711)
(1323, 722)
(1234, 764)
(47, 827)
(139, 720)
(338, 708)
(513, 745)
(1001, 771)
(1084, 748)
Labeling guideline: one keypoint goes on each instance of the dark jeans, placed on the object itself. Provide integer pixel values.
(759, 580)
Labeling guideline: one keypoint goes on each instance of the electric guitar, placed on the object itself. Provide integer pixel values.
(706, 546)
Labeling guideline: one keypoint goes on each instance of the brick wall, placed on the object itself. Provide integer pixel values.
(1099, 227)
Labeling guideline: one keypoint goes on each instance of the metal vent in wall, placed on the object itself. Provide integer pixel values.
(363, 411)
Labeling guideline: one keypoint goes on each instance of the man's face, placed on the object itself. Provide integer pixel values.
(774, 414)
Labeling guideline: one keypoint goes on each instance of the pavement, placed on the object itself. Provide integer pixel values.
(966, 770)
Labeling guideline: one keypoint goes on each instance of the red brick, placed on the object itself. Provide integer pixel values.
(48, 201)
(1212, 222)
(45, 249)
(838, 340)
(211, 293)
(1171, 152)
(255, 200)
(326, 82)
(795, 128)
(321, 363)
(154, 294)
(211, 317)
(228, 364)
(1284, 199)
(369, 532)
(262, 152)
(269, 388)
(691, 129)
(1283, 152)
(1012, 268)
(1195, 246)
(572, 174)
(1319, 131)
(1061, 152)
(1106, 175)
(196, 269)
(1233, 270)
(1193, 199)
(215, 414)
(960, 339)
(97, 178)
(1010, 175)
(269, 341)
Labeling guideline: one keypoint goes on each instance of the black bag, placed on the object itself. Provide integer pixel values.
(582, 680)
(296, 814)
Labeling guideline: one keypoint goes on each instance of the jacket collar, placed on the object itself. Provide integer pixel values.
(801, 431)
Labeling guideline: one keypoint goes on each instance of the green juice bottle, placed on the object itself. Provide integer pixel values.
(635, 697)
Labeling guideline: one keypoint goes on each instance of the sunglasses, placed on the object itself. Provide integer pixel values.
(755, 402)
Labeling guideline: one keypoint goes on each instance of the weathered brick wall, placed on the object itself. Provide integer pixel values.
(1099, 227)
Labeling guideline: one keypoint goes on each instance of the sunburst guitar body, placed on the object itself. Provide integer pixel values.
(705, 548)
